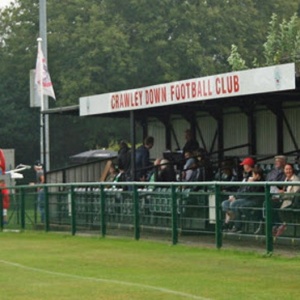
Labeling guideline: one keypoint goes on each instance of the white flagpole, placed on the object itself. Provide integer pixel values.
(43, 35)
(41, 92)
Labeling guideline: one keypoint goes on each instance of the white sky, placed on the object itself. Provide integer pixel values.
(5, 2)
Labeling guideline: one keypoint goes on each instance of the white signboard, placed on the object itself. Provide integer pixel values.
(254, 81)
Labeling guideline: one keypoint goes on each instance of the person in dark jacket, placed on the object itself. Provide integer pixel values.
(243, 204)
(167, 172)
(124, 160)
(191, 143)
(142, 159)
(231, 206)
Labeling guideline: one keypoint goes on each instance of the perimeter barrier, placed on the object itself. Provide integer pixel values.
(176, 212)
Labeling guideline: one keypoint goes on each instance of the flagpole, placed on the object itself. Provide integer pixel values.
(43, 35)
(41, 93)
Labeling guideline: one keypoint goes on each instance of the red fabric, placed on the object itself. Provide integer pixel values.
(5, 198)
(2, 162)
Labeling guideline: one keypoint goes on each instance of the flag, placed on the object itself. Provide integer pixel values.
(42, 76)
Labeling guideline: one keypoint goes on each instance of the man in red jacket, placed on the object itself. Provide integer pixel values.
(5, 199)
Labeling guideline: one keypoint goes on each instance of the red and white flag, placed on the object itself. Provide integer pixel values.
(42, 76)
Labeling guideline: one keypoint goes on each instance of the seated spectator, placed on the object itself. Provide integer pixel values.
(257, 200)
(190, 168)
(287, 198)
(121, 177)
(226, 173)
(124, 159)
(155, 172)
(167, 172)
(112, 173)
(230, 206)
(205, 172)
(276, 174)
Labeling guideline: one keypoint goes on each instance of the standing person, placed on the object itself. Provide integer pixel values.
(142, 159)
(124, 158)
(191, 143)
(5, 200)
(40, 179)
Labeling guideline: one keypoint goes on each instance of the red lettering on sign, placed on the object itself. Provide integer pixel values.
(236, 84)
(156, 95)
(191, 90)
(227, 85)
(194, 92)
(126, 100)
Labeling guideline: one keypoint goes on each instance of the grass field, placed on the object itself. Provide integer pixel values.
(55, 266)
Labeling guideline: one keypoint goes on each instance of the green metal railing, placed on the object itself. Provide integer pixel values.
(177, 211)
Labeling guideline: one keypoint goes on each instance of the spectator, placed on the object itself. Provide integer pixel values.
(276, 174)
(257, 200)
(227, 173)
(155, 172)
(287, 199)
(163, 172)
(205, 169)
(191, 143)
(167, 172)
(142, 159)
(40, 179)
(124, 158)
(121, 177)
(231, 205)
(190, 168)
(112, 173)
(5, 200)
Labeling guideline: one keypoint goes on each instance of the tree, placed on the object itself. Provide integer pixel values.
(282, 45)
(99, 46)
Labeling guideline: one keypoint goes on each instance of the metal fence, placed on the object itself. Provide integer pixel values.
(170, 211)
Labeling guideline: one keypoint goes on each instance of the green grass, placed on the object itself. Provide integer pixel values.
(55, 266)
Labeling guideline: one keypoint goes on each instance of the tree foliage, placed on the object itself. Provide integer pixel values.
(99, 46)
(282, 45)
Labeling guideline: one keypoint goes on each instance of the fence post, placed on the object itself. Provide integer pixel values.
(218, 230)
(73, 211)
(22, 191)
(136, 213)
(103, 207)
(46, 208)
(268, 208)
(174, 216)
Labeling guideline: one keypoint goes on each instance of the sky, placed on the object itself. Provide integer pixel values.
(4, 2)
